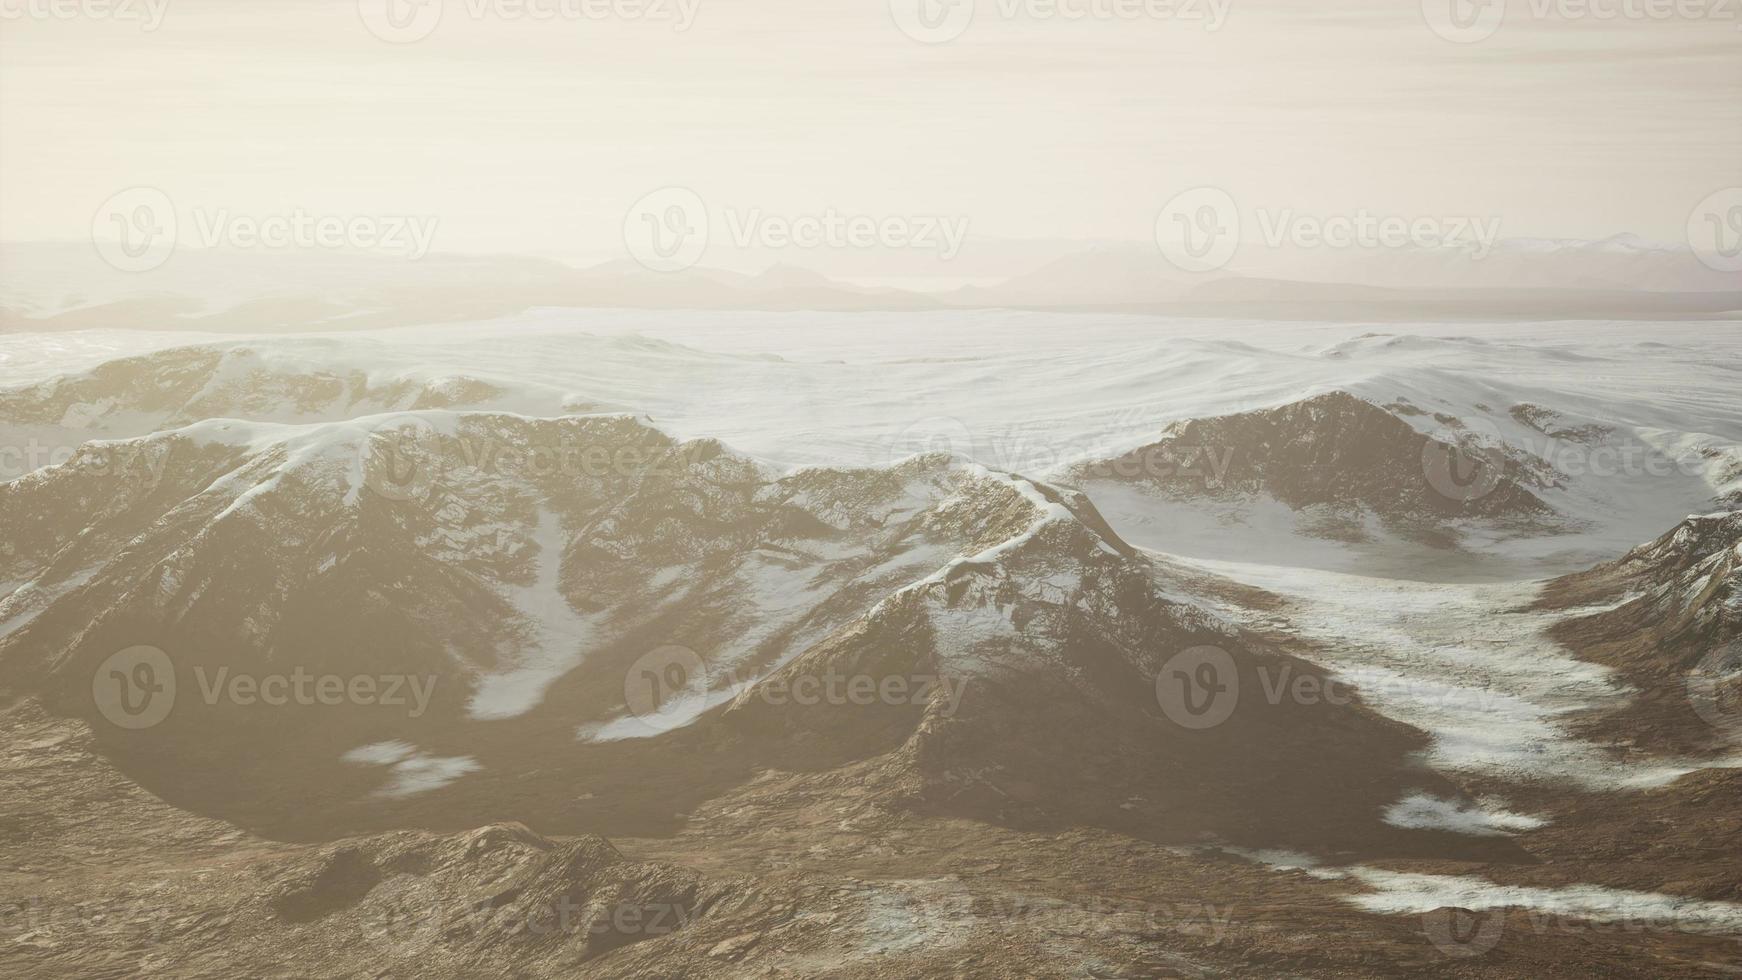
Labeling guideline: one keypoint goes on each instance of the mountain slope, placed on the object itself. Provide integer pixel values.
(1333, 466)
(521, 572)
(1668, 616)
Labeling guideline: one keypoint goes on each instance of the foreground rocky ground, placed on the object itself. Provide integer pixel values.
(788, 877)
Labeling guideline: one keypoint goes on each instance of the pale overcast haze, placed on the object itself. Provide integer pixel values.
(535, 136)
(864, 489)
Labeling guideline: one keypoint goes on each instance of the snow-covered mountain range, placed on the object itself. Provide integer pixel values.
(1372, 604)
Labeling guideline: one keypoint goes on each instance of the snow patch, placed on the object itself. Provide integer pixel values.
(558, 636)
(1462, 663)
(1481, 818)
(410, 770)
(1400, 893)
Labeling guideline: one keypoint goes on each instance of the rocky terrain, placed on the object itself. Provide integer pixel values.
(263, 552)
(1340, 456)
(1668, 617)
(392, 673)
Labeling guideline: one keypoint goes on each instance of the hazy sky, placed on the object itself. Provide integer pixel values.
(537, 135)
